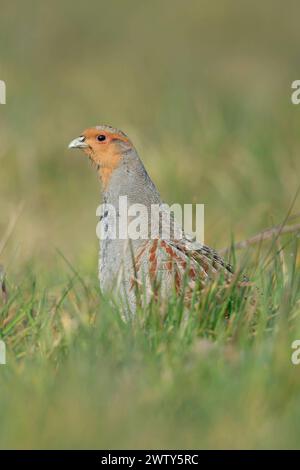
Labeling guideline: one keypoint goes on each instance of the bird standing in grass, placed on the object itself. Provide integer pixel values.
(143, 268)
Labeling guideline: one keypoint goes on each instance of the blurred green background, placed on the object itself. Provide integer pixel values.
(204, 90)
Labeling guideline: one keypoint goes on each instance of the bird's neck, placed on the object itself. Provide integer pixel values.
(130, 179)
(129, 185)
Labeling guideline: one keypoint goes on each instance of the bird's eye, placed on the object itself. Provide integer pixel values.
(101, 137)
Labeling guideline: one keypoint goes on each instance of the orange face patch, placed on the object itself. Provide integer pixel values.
(107, 162)
(105, 151)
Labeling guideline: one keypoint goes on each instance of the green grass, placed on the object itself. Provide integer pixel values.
(204, 93)
(77, 376)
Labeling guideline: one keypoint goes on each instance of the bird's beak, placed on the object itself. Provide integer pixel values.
(78, 143)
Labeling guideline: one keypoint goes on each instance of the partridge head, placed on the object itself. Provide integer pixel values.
(106, 148)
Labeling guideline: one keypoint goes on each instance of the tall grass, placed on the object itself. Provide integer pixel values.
(78, 376)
